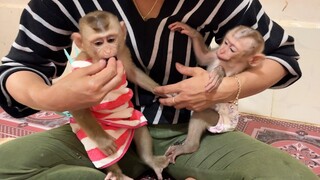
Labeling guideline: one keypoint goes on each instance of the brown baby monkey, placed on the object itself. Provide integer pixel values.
(102, 36)
(241, 49)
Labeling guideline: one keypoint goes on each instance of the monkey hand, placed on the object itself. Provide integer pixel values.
(106, 144)
(171, 154)
(184, 29)
(158, 163)
(215, 78)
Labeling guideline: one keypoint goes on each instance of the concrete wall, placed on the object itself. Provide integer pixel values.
(299, 102)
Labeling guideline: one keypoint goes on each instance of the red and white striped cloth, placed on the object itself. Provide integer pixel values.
(117, 117)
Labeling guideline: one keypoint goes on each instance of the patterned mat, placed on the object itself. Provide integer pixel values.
(11, 127)
(300, 140)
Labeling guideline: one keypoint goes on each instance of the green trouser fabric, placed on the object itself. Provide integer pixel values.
(57, 154)
(54, 154)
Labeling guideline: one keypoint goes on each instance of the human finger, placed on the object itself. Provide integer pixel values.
(177, 87)
(167, 91)
(107, 73)
(115, 80)
(170, 101)
(94, 68)
(188, 71)
(175, 101)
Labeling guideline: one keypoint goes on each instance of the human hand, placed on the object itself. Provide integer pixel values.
(191, 94)
(86, 86)
(183, 29)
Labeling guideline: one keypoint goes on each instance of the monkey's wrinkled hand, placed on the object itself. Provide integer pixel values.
(184, 29)
(86, 86)
(215, 78)
(106, 144)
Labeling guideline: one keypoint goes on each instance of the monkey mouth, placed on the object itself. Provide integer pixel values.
(107, 59)
(220, 58)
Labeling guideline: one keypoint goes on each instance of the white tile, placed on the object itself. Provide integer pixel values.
(299, 102)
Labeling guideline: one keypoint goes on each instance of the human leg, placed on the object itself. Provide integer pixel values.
(232, 155)
(43, 154)
(72, 172)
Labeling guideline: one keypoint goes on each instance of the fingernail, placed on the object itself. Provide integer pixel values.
(102, 61)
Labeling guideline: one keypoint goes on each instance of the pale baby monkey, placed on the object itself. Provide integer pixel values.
(241, 48)
(102, 36)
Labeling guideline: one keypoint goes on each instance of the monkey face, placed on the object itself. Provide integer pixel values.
(101, 45)
(106, 47)
(232, 54)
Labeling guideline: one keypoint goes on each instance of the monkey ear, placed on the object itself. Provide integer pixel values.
(76, 37)
(123, 28)
(256, 60)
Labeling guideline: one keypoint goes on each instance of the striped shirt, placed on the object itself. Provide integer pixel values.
(46, 26)
(117, 117)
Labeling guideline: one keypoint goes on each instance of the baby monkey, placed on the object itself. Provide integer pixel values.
(241, 48)
(107, 129)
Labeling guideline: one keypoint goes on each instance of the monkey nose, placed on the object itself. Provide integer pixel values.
(107, 52)
(221, 50)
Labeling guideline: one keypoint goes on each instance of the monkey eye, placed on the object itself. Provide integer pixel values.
(111, 39)
(232, 48)
(98, 43)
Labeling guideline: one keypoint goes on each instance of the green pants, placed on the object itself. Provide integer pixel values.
(58, 154)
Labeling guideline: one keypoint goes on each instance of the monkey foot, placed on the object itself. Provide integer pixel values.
(158, 163)
(176, 150)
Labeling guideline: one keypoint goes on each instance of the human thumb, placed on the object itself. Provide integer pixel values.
(185, 70)
(96, 67)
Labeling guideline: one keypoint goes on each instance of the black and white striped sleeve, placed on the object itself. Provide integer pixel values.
(43, 34)
(279, 46)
